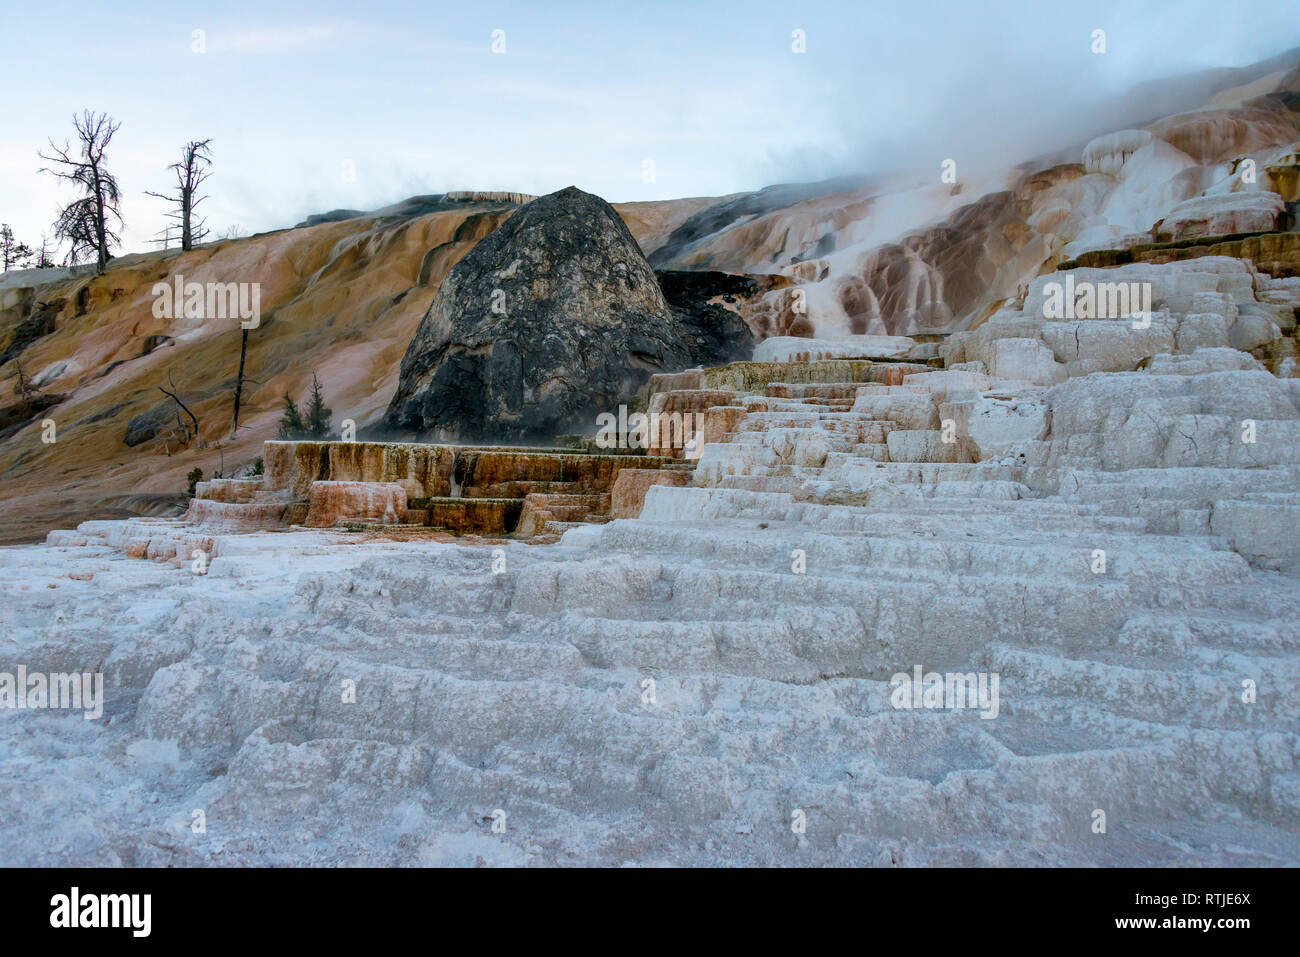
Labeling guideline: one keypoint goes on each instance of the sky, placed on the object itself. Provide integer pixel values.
(321, 105)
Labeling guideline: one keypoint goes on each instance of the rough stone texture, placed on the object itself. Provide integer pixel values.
(991, 423)
(632, 484)
(676, 417)
(1209, 302)
(546, 514)
(1201, 330)
(423, 470)
(718, 421)
(1263, 531)
(926, 445)
(910, 410)
(227, 516)
(228, 490)
(792, 348)
(551, 319)
(334, 502)
(1028, 360)
(1251, 332)
(505, 473)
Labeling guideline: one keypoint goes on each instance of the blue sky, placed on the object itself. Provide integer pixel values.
(413, 98)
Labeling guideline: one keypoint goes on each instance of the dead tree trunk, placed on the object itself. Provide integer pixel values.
(239, 381)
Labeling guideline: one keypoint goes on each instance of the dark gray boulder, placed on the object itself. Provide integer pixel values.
(551, 319)
(147, 425)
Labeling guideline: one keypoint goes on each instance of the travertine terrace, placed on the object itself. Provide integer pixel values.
(673, 687)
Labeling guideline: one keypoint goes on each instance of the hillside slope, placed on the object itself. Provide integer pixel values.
(341, 299)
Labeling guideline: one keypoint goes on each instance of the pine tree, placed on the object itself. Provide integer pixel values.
(318, 416)
(12, 252)
(291, 427)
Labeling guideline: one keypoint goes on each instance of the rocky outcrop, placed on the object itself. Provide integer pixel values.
(706, 304)
(550, 320)
(146, 425)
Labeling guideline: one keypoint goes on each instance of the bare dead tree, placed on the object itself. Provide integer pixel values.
(165, 236)
(87, 222)
(239, 379)
(194, 167)
(43, 257)
(175, 398)
(23, 388)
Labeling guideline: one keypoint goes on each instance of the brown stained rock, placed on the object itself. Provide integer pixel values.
(541, 508)
(228, 490)
(676, 416)
(1228, 214)
(484, 516)
(691, 400)
(718, 421)
(423, 470)
(674, 381)
(755, 376)
(235, 516)
(631, 486)
(310, 464)
(377, 502)
(136, 548)
(512, 474)
(277, 465)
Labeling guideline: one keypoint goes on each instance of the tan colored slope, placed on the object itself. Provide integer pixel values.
(653, 222)
(340, 299)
